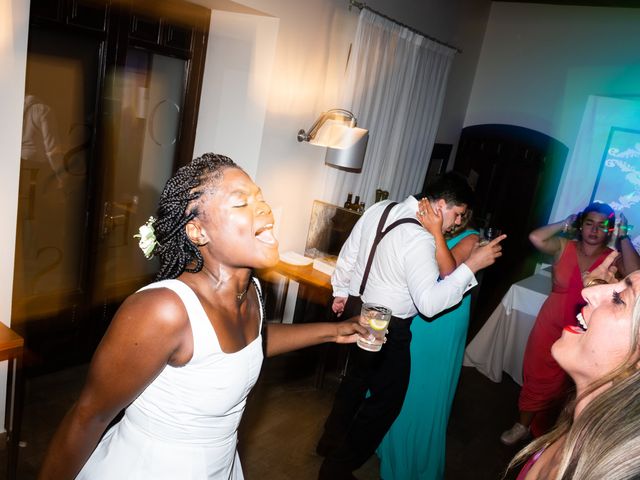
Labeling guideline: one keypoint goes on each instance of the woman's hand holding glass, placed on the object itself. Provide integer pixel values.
(348, 331)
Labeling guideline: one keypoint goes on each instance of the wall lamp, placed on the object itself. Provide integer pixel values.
(346, 143)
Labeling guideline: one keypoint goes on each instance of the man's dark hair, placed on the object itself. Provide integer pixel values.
(178, 206)
(452, 187)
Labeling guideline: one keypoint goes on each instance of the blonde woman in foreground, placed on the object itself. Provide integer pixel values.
(598, 434)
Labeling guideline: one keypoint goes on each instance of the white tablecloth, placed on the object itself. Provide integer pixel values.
(499, 346)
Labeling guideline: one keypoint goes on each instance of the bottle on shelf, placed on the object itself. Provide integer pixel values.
(361, 208)
(355, 205)
(348, 203)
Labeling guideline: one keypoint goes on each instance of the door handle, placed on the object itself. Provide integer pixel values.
(116, 214)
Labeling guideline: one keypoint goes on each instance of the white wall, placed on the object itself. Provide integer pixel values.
(311, 54)
(14, 16)
(539, 64)
(236, 81)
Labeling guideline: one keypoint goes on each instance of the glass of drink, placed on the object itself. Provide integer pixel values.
(376, 319)
(490, 233)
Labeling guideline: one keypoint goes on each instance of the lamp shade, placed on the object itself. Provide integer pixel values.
(348, 152)
(346, 144)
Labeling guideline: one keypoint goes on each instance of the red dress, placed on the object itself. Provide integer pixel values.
(545, 385)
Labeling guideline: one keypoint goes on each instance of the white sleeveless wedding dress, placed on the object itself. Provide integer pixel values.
(183, 426)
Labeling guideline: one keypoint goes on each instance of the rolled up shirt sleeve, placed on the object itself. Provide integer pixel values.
(430, 295)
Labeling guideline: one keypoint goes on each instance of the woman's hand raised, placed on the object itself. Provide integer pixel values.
(429, 218)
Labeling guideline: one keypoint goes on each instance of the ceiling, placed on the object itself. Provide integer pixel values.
(584, 3)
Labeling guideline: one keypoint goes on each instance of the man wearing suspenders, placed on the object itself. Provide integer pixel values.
(389, 259)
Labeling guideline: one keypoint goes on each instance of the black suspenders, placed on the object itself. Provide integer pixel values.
(380, 233)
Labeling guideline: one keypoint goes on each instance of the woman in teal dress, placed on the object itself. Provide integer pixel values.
(414, 446)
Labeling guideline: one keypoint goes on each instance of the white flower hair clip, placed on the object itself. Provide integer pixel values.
(147, 235)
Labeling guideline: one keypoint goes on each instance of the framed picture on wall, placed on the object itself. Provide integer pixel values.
(618, 181)
(438, 162)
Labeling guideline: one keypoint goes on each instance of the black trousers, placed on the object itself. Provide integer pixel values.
(357, 423)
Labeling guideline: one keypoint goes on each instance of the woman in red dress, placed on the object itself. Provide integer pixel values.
(545, 385)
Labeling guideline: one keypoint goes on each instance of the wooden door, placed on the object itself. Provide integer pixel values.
(108, 117)
(515, 172)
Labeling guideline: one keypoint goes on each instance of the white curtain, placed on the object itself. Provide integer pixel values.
(395, 85)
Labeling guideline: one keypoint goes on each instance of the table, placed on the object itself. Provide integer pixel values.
(315, 286)
(11, 349)
(302, 274)
(500, 344)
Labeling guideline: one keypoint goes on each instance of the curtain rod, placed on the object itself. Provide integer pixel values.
(361, 5)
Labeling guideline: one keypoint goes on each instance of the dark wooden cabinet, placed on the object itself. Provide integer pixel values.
(515, 172)
(161, 32)
(47, 10)
(145, 28)
(84, 14)
(177, 37)
(90, 14)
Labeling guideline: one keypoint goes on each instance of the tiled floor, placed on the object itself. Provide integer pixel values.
(284, 418)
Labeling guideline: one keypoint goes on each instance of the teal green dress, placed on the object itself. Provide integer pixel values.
(414, 446)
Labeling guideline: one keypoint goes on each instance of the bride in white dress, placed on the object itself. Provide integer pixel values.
(182, 354)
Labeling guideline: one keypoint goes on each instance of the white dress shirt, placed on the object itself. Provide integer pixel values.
(404, 273)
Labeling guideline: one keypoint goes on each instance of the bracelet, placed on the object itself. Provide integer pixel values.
(622, 237)
(596, 281)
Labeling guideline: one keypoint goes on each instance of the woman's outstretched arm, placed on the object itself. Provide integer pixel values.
(282, 338)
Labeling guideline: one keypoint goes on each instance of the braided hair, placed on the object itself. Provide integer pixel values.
(178, 206)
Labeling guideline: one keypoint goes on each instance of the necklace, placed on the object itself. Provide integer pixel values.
(239, 296)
